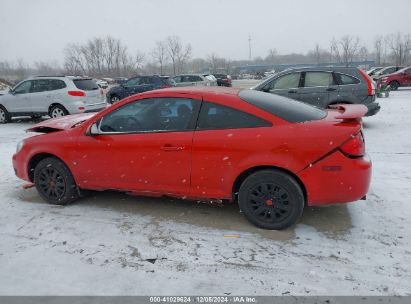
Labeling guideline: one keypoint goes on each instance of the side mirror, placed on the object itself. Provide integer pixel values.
(94, 130)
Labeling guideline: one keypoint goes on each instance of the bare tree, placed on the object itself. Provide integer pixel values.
(317, 53)
(47, 68)
(73, 59)
(379, 46)
(178, 54)
(213, 62)
(272, 56)
(159, 54)
(346, 49)
(363, 53)
(400, 46)
(101, 56)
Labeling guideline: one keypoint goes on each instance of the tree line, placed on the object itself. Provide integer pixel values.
(110, 57)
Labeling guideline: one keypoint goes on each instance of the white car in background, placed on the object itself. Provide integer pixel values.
(211, 78)
(187, 80)
(101, 83)
(53, 96)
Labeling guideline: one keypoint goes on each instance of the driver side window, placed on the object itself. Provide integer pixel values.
(133, 81)
(23, 88)
(152, 115)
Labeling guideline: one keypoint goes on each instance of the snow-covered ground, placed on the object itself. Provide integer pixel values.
(114, 244)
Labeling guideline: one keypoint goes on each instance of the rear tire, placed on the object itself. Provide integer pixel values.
(57, 111)
(4, 115)
(394, 85)
(271, 199)
(54, 182)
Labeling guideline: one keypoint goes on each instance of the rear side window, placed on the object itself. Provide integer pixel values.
(133, 81)
(343, 79)
(55, 84)
(40, 85)
(214, 116)
(285, 82)
(147, 80)
(85, 84)
(318, 79)
(288, 109)
(388, 71)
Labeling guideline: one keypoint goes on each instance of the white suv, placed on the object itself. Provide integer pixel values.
(53, 96)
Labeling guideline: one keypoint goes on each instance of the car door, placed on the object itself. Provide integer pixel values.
(18, 100)
(221, 142)
(187, 81)
(316, 89)
(133, 86)
(179, 80)
(39, 95)
(198, 80)
(143, 147)
(287, 85)
(350, 89)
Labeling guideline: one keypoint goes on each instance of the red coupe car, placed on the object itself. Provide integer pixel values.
(272, 154)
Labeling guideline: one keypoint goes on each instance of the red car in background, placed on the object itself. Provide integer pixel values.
(401, 78)
(272, 154)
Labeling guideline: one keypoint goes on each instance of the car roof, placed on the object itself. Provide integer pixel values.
(203, 89)
(320, 68)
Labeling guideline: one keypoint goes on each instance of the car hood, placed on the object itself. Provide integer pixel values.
(60, 123)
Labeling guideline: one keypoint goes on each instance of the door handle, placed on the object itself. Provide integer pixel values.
(292, 91)
(172, 148)
(331, 89)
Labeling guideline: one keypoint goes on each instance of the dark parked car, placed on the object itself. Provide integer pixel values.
(223, 80)
(138, 84)
(324, 86)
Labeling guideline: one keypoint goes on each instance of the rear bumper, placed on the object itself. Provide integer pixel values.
(337, 179)
(373, 108)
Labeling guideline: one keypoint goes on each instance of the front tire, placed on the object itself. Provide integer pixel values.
(54, 182)
(4, 116)
(271, 199)
(57, 111)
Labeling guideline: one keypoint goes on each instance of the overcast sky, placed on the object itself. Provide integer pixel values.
(39, 30)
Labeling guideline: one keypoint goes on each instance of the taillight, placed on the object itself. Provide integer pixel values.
(101, 92)
(370, 85)
(354, 146)
(76, 93)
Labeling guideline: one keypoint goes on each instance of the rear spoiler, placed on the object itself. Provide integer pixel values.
(349, 111)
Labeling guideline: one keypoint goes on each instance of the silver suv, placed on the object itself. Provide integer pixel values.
(53, 96)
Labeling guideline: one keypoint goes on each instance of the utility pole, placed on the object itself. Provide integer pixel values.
(249, 48)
